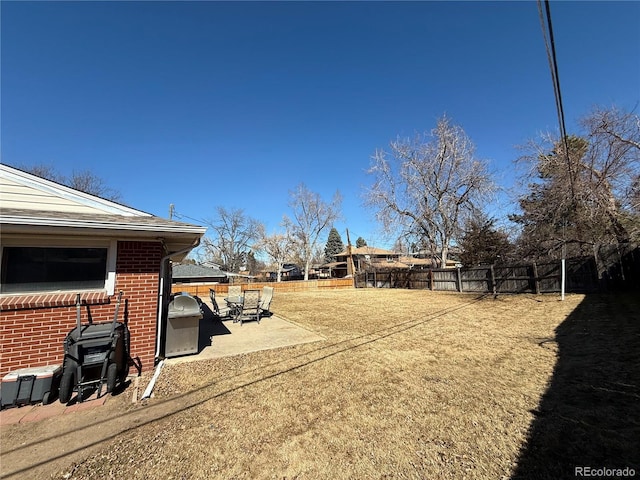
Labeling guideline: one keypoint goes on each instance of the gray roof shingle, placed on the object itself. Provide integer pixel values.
(196, 271)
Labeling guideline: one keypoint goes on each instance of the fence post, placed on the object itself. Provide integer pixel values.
(493, 280)
(431, 279)
(536, 280)
(459, 280)
(562, 279)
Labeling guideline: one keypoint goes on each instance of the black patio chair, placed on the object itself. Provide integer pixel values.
(224, 312)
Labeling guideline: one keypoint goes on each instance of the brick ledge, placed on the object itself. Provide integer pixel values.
(49, 300)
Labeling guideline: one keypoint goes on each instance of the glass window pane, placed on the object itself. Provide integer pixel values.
(30, 269)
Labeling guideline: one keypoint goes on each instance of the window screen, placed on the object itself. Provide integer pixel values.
(34, 269)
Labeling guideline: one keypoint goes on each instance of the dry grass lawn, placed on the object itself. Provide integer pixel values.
(408, 384)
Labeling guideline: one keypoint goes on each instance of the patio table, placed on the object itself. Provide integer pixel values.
(235, 306)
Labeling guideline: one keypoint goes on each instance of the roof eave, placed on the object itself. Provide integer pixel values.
(31, 224)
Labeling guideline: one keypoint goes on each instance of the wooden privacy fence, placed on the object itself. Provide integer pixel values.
(202, 289)
(580, 276)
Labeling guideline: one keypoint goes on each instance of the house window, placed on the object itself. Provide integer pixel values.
(45, 269)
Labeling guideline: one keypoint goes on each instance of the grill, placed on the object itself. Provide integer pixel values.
(183, 326)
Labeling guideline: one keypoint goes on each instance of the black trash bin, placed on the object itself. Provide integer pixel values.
(183, 326)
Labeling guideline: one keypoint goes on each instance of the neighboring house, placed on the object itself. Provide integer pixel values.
(316, 272)
(190, 273)
(57, 242)
(290, 271)
(364, 258)
(418, 262)
(372, 258)
(333, 270)
(426, 257)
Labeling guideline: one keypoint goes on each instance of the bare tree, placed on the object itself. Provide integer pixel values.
(427, 186)
(278, 247)
(311, 217)
(234, 235)
(614, 156)
(634, 196)
(85, 181)
(615, 127)
(42, 170)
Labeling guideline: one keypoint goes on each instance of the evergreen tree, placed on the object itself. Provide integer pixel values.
(572, 204)
(252, 264)
(581, 189)
(360, 242)
(334, 245)
(483, 244)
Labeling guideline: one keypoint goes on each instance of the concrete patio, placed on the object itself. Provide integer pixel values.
(222, 338)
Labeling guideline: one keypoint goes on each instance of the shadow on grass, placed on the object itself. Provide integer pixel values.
(590, 413)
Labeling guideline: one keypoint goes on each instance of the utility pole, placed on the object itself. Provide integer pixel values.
(350, 267)
(562, 263)
(171, 210)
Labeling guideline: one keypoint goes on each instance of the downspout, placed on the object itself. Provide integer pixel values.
(156, 374)
(152, 383)
(161, 299)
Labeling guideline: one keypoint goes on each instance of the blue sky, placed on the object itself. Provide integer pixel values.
(205, 104)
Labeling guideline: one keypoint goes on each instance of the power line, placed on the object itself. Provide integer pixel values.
(182, 216)
(547, 34)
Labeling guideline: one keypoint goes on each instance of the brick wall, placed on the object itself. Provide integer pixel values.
(137, 275)
(33, 328)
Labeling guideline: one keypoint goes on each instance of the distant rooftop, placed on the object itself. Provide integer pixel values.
(191, 271)
(366, 250)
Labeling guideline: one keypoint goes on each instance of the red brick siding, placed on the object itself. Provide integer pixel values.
(32, 330)
(137, 275)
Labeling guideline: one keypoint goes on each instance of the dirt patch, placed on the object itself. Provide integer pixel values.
(408, 384)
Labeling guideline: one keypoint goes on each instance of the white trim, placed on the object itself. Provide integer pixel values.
(112, 257)
(98, 224)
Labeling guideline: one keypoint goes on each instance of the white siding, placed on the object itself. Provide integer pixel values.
(17, 195)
